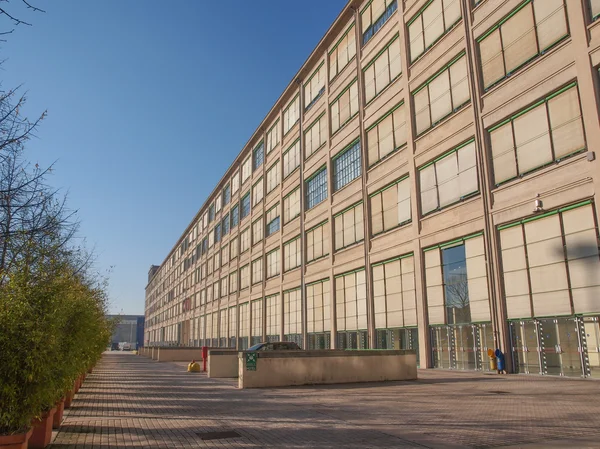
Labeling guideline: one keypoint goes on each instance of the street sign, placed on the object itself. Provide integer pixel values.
(251, 358)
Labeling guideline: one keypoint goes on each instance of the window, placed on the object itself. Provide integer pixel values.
(233, 282)
(258, 192)
(273, 263)
(225, 254)
(375, 15)
(315, 86)
(273, 177)
(387, 134)
(351, 301)
(211, 213)
(450, 178)
(595, 9)
(344, 107)
(292, 253)
(217, 290)
(244, 277)
(315, 136)
(394, 294)
(246, 169)
(346, 166)
(232, 312)
(203, 297)
(218, 203)
(318, 307)
(442, 94)
(245, 240)
(224, 289)
(245, 205)
(225, 224)
(209, 294)
(292, 318)
(235, 216)
(272, 220)
(257, 231)
(547, 131)
(218, 233)
(291, 159)
(431, 22)
(217, 260)
(235, 182)
(226, 195)
(258, 156)
(205, 220)
(233, 248)
(273, 317)
(456, 282)
(390, 206)
(273, 137)
(527, 32)
(291, 206)
(383, 69)
(317, 242)
(257, 271)
(291, 115)
(316, 188)
(223, 332)
(551, 262)
(342, 53)
(349, 226)
(257, 321)
(211, 238)
(244, 324)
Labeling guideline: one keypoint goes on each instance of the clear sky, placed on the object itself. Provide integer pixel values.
(149, 103)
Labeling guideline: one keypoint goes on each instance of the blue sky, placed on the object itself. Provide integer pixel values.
(149, 103)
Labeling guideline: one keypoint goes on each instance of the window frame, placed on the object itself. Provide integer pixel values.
(321, 170)
(354, 146)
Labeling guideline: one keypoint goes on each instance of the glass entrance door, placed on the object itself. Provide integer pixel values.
(569, 347)
(525, 346)
(590, 343)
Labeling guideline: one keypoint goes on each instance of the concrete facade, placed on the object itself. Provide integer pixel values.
(285, 368)
(222, 364)
(456, 212)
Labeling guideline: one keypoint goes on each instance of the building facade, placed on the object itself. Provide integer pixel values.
(129, 330)
(426, 181)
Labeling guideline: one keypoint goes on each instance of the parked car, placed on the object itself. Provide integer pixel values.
(114, 347)
(275, 346)
(126, 347)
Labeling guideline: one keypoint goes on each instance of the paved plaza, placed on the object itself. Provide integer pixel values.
(130, 401)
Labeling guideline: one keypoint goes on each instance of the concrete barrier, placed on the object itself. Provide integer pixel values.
(287, 368)
(154, 353)
(223, 363)
(183, 354)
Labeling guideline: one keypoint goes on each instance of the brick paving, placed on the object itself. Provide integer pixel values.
(130, 401)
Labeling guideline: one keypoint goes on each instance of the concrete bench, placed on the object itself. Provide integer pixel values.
(287, 368)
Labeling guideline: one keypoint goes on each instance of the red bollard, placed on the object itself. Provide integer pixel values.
(204, 357)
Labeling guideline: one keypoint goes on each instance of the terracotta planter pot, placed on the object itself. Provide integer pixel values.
(60, 408)
(42, 431)
(69, 398)
(16, 441)
(90, 370)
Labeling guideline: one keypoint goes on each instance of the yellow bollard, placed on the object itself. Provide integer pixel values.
(193, 367)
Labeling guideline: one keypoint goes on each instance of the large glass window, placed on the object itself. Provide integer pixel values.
(346, 166)
(244, 277)
(292, 321)
(351, 309)
(375, 15)
(258, 192)
(344, 107)
(233, 248)
(292, 253)
(314, 86)
(387, 134)
(342, 53)
(449, 179)
(258, 156)
(272, 220)
(291, 159)
(233, 281)
(273, 317)
(273, 177)
(434, 20)
(316, 188)
(257, 271)
(527, 32)
(390, 206)
(257, 231)
(218, 233)
(245, 240)
(235, 216)
(244, 326)
(441, 95)
(594, 9)
(318, 308)
(315, 135)
(317, 242)
(211, 212)
(226, 195)
(349, 226)
(291, 115)
(225, 224)
(245, 205)
(273, 137)
(383, 69)
(273, 263)
(291, 206)
(543, 133)
(235, 182)
(246, 169)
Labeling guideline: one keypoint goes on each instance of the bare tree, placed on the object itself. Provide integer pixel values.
(12, 12)
(457, 298)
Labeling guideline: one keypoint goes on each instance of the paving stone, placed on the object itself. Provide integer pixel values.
(131, 401)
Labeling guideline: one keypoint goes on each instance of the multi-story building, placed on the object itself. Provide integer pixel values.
(426, 181)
